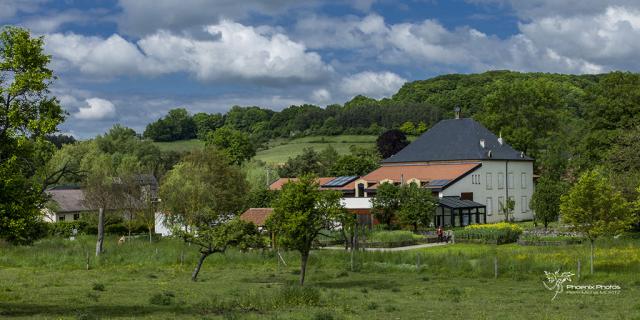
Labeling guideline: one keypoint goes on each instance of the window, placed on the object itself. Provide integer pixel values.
(489, 181)
(61, 218)
(76, 216)
(475, 179)
(500, 180)
(510, 180)
(523, 180)
(489, 205)
(360, 192)
(524, 205)
(500, 202)
(466, 196)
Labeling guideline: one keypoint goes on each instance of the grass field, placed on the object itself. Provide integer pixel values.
(280, 150)
(180, 146)
(143, 280)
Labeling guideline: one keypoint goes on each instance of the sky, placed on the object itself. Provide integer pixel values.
(130, 61)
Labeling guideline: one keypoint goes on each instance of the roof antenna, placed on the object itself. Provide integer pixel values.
(457, 111)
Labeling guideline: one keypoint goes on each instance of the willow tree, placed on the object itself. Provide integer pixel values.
(202, 197)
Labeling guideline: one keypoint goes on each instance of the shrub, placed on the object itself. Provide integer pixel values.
(393, 236)
(98, 286)
(162, 299)
(65, 228)
(501, 232)
(116, 229)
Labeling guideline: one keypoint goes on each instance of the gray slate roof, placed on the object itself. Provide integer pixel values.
(456, 139)
(68, 200)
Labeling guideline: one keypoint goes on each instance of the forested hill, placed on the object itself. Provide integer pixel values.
(578, 117)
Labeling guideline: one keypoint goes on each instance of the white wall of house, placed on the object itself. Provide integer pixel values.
(160, 226)
(51, 216)
(489, 186)
(356, 203)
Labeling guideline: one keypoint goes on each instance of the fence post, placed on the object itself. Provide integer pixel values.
(418, 262)
(579, 269)
(495, 267)
(87, 259)
(181, 257)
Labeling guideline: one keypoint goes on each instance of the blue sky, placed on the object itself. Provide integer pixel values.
(129, 61)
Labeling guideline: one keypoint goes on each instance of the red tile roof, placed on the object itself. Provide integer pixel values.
(277, 185)
(422, 172)
(257, 215)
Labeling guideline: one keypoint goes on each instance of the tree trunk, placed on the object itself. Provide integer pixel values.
(194, 275)
(303, 266)
(591, 242)
(100, 231)
(150, 235)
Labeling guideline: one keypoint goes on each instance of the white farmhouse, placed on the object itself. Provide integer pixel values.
(471, 170)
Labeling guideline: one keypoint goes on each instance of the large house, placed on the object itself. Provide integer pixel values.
(470, 169)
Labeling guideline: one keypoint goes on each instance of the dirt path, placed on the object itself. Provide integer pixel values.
(418, 246)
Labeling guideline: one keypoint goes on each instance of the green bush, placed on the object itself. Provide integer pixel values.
(499, 232)
(65, 228)
(117, 229)
(393, 236)
(162, 299)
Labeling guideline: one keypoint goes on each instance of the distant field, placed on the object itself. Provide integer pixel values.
(180, 146)
(280, 149)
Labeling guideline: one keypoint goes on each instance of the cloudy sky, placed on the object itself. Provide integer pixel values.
(129, 61)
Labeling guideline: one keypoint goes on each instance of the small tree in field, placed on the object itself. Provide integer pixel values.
(202, 196)
(506, 208)
(417, 206)
(593, 208)
(386, 203)
(300, 213)
(546, 200)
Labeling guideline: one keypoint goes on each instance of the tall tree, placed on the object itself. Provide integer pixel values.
(300, 213)
(386, 203)
(417, 206)
(546, 200)
(235, 144)
(390, 142)
(27, 114)
(593, 208)
(202, 195)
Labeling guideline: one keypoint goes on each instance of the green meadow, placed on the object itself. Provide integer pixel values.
(277, 151)
(139, 279)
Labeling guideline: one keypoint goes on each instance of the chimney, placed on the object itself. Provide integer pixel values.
(482, 143)
(500, 141)
(457, 111)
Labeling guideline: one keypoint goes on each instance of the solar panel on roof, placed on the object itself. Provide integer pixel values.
(340, 181)
(437, 183)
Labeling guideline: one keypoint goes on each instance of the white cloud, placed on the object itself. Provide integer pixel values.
(610, 39)
(372, 84)
(52, 22)
(582, 44)
(231, 50)
(321, 96)
(96, 109)
(9, 8)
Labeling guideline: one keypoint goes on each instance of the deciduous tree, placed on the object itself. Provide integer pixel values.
(202, 196)
(27, 114)
(593, 208)
(417, 206)
(299, 214)
(386, 203)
